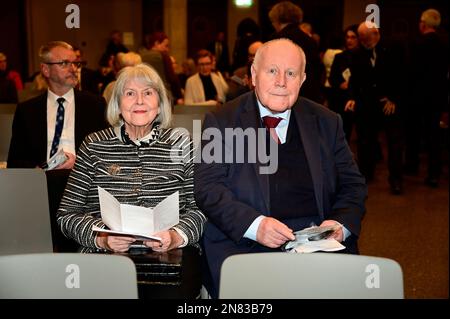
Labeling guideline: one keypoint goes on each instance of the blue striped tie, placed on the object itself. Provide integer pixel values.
(59, 126)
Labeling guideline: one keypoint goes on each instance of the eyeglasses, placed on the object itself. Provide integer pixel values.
(65, 64)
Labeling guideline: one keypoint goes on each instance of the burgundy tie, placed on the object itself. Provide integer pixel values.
(271, 123)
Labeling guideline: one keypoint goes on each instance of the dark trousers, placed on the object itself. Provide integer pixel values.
(369, 121)
(422, 126)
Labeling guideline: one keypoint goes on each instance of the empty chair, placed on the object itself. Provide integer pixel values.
(67, 276)
(194, 109)
(310, 276)
(6, 119)
(186, 121)
(24, 214)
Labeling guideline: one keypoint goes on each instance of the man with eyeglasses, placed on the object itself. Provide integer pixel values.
(57, 120)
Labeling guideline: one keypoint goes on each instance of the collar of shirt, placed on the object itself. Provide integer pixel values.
(52, 97)
(282, 127)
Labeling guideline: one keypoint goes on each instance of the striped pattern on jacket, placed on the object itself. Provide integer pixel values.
(135, 175)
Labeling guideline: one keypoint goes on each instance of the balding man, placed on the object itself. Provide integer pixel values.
(376, 90)
(429, 96)
(315, 179)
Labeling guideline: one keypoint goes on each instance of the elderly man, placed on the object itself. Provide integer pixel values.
(377, 88)
(58, 119)
(316, 180)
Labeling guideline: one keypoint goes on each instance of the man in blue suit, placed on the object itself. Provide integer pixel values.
(316, 179)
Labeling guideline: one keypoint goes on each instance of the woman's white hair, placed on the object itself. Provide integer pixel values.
(146, 75)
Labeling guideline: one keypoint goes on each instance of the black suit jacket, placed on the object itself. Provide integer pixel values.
(314, 67)
(28, 147)
(233, 195)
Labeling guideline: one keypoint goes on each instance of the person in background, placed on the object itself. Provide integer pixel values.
(219, 49)
(58, 119)
(286, 17)
(123, 60)
(204, 87)
(88, 80)
(428, 89)
(339, 79)
(10, 74)
(315, 180)
(156, 54)
(377, 90)
(140, 160)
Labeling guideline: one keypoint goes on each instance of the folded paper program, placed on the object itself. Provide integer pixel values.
(139, 222)
(57, 159)
(313, 239)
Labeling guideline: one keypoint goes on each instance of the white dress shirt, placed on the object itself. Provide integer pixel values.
(281, 130)
(67, 141)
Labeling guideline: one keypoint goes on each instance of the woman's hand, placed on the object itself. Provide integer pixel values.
(170, 239)
(117, 244)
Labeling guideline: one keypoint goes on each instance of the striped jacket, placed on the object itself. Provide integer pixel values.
(137, 175)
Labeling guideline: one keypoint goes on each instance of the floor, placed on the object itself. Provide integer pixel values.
(412, 229)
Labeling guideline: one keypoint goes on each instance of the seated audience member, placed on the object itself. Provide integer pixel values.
(8, 91)
(314, 179)
(123, 60)
(204, 87)
(240, 82)
(134, 160)
(58, 119)
(10, 74)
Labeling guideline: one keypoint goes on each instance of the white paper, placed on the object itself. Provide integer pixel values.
(319, 245)
(346, 74)
(137, 221)
(57, 159)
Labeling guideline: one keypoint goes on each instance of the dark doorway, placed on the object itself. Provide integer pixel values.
(205, 19)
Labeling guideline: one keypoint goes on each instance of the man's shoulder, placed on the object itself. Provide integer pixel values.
(233, 108)
(33, 102)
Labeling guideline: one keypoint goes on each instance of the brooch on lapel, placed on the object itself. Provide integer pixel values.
(114, 169)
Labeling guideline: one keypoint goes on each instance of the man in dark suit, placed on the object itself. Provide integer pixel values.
(58, 119)
(316, 180)
(377, 86)
(286, 17)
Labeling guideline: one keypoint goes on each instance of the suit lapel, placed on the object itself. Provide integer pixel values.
(309, 132)
(250, 119)
(41, 129)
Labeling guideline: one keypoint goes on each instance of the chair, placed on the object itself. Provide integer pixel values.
(6, 119)
(24, 220)
(310, 276)
(186, 121)
(67, 276)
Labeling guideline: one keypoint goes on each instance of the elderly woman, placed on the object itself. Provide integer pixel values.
(139, 160)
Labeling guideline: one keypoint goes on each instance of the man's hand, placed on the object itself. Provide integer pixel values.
(337, 234)
(273, 233)
(389, 107)
(350, 106)
(117, 244)
(344, 85)
(70, 161)
(170, 239)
